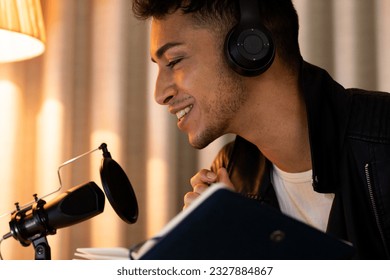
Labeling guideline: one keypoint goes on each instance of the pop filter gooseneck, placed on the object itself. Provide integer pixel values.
(118, 188)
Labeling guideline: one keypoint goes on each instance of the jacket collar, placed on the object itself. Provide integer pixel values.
(327, 121)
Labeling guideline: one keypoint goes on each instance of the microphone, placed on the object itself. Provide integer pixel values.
(74, 206)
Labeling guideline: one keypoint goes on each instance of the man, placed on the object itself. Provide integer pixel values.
(316, 151)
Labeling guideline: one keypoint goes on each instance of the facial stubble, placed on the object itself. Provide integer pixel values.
(221, 109)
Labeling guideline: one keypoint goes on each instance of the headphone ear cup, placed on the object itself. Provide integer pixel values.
(249, 51)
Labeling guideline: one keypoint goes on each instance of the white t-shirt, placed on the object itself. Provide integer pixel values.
(297, 198)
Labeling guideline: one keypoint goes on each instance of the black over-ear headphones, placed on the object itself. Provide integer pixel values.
(249, 47)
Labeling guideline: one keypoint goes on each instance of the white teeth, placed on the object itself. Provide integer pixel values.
(183, 112)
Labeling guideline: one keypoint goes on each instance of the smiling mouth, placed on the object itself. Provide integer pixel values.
(180, 114)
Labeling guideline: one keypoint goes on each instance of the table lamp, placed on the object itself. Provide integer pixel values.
(22, 34)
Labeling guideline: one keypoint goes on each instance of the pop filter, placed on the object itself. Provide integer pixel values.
(118, 188)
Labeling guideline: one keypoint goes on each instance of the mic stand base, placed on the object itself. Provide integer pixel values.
(42, 249)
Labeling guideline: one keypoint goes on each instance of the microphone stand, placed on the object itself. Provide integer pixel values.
(42, 248)
(40, 243)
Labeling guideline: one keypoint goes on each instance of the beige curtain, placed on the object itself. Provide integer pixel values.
(94, 84)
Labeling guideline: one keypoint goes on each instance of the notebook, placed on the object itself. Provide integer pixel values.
(224, 225)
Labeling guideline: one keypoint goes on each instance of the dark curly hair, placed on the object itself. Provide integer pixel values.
(279, 16)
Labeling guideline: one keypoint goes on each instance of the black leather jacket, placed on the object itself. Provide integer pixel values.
(349, 132)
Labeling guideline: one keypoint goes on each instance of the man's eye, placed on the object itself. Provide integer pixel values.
(172, 63)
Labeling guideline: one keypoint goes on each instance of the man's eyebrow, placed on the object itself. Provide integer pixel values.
(160, 52)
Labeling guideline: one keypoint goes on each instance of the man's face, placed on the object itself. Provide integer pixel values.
(193, 80)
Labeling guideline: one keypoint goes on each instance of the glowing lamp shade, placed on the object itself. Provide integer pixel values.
(22, 34)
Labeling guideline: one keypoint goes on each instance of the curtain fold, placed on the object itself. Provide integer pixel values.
(95, 84)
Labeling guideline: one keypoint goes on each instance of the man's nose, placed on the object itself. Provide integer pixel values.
(165, 89)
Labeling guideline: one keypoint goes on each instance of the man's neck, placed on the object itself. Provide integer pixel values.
(275, 121)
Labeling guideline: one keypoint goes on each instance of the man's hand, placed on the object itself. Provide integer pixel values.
(202, 180)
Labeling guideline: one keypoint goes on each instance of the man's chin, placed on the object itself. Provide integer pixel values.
(199, 143)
